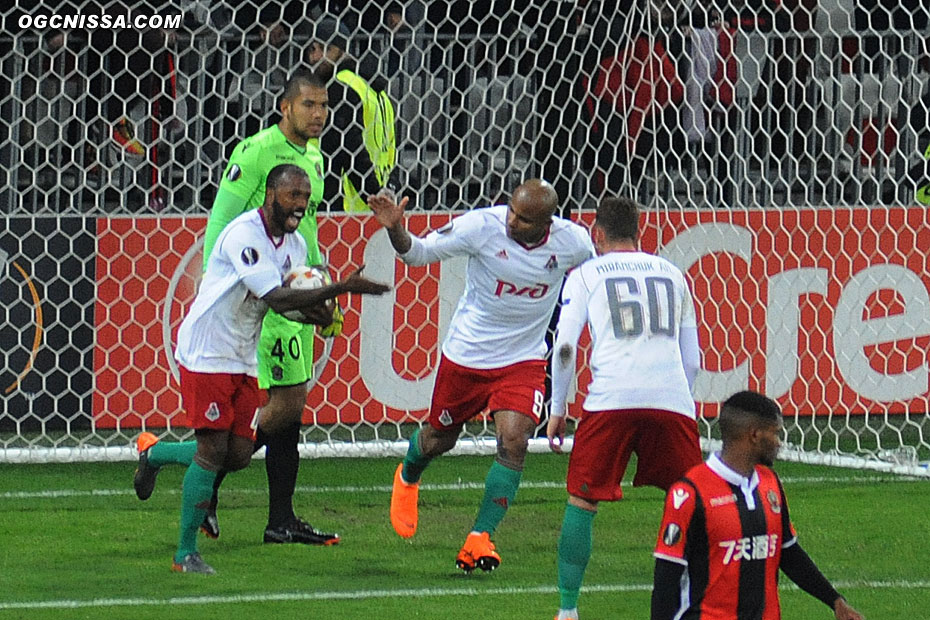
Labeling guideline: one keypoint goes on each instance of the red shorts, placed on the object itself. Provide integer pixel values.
(666, 446)
(462, 393)
(221, 401)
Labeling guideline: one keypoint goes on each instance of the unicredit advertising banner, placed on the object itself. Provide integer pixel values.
(826, 310)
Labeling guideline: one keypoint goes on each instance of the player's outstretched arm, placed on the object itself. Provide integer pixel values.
(283, 299)
(390, 214)
(360, 285)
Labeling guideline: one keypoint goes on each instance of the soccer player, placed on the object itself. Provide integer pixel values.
(644, 358)
(493, 357)
(726, 530)
(217, 341)
(285, 350)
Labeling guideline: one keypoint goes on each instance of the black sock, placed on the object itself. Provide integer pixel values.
(215, 499)
(281, 463)
(261, 439)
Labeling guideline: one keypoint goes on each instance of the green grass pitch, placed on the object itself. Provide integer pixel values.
(76, 543)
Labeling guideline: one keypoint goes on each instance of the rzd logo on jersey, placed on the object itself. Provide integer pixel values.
(535, 292)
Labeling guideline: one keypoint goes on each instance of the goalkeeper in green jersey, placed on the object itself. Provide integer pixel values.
(285, 350)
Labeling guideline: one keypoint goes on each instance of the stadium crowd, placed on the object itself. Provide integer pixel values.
(731, 102)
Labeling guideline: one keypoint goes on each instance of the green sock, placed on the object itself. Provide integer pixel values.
(574, 553)
(195, 496)
(500, 487)
(414, 462)
(165, 452)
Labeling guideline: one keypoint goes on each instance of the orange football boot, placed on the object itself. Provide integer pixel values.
(404, 498)
(478, 552)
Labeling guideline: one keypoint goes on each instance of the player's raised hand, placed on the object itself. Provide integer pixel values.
(555, 430)
(387, 210)
(358, 284)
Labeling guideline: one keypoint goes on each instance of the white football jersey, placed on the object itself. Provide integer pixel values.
(635, 305)
(510, 289)
(221, 329)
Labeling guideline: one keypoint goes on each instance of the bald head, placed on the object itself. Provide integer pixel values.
(540, 194)
(530, 212)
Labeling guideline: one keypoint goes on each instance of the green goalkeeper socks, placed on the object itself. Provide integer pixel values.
(414, 462)
(574, 553)
(195, 497)
(500, 487)
(165, 452)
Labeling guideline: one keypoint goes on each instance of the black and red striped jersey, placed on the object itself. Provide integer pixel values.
(729, 532)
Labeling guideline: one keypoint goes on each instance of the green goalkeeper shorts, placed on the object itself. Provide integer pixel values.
(285, 352)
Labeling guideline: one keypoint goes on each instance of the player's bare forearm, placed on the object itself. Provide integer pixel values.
(321, 314)
(360, 285)
(283, 299)
(400, 239)
(390, 215)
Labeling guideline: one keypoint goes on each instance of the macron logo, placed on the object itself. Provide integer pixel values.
(679, 497)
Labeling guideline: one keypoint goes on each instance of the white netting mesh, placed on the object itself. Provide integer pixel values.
(777, 145)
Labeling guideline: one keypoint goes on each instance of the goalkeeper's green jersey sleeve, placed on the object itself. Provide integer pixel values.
(242, 187)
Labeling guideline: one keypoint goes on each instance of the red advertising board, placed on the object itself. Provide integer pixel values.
(826, 310)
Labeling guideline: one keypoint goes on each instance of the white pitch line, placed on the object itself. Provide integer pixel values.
(454, 486)
(264, 597)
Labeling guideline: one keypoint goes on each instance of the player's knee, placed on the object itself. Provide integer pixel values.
(210, 457)
(434, 442)
(285, 408)
(511, 449)
(211, 448)
(514, 439)
(238, 458)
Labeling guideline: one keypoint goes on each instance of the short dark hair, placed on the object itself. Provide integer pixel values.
(745, 408)
(619, 218)
(302, 76)
(280, 172)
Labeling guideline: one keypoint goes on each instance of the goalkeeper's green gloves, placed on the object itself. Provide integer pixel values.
(334, 328)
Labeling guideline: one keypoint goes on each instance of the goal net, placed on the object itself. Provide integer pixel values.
(779, 148)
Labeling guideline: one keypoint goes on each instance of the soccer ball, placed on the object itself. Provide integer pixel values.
(305, 277)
